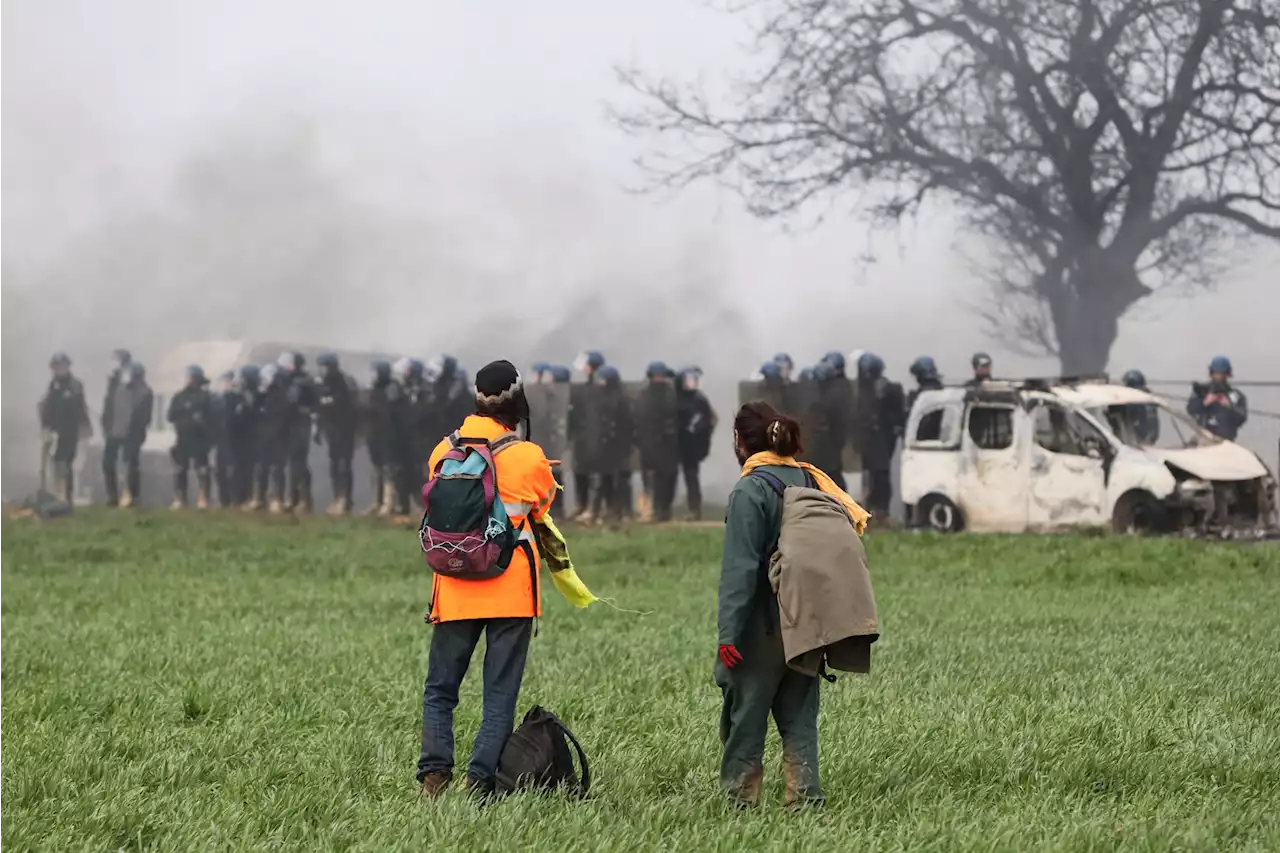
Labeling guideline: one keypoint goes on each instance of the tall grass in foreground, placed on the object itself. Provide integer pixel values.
(217, 682)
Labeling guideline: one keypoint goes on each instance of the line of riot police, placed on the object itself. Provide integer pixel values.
(611, 430)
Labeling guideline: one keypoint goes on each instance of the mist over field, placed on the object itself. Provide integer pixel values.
(439, 177)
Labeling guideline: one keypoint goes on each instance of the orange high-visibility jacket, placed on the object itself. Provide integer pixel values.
(526, 487)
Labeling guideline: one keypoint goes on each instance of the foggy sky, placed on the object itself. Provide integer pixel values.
(330, 172)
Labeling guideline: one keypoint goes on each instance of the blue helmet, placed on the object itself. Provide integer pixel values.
(1220, 364)
(980, 361)
(195, 373)
(783, 360)
(771, 370)
(609, 373)
(60, 359)
(870, 364)
(835, 360)
(327, 359)
(1134, 379)
(657, 368)
(137, 370)
(121, 356)
(822, 371)
(924, 368)
(560, 373)
(539, 367)
(381, 368)
(250, 374)
(806, 374)
(227, 375)
(416, 368)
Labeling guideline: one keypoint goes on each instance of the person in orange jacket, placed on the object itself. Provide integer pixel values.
(502, 608)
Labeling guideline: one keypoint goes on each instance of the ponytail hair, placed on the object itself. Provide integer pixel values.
(761, 427)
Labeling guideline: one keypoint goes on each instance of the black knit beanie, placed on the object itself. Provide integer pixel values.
(500, 394)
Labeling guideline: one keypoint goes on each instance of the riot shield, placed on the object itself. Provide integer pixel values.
(549, 418)
(851, 456)
(584, 428)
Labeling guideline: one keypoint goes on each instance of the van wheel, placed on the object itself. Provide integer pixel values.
(939, 514)
(1139, 514)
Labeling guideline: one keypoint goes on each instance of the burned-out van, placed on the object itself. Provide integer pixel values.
(1044, 455)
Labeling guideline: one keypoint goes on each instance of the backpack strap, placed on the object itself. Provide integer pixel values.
(585, 784)
(772, 481)
(502, 442)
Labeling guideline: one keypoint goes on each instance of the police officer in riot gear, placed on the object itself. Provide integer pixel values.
(585, 432)
(617, 437)
(337, 398)
(981, 370)
(275, 437)
(126, 417)
(64, 420)
(926, 375)
(451, 397)
(1143, 417)
(1216, 405)
(114, 422)
(299, 407)
(243, 407)
(697, 421)
(191, 413)
(420, 417)
(832, 414)
(786, 366)
(382, 419)
(877, 426)
(223, 400)
(658, 437)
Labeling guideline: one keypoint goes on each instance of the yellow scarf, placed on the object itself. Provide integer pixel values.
(857, 513)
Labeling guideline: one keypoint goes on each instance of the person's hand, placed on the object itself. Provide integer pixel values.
(730, 656)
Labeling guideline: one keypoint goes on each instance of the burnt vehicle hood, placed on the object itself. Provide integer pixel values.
(1225, 462)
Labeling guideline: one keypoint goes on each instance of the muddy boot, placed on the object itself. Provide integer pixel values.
(255, 501)
(275, 506)
(644, 507)
(202, 488)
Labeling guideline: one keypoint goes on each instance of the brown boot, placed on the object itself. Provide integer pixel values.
(276, 507)
(434, 784)
(126, 499)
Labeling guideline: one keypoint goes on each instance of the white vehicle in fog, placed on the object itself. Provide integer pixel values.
(1048, 455)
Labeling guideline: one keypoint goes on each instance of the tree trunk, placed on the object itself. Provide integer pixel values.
(1087, 311)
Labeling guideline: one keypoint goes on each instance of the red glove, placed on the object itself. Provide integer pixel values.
(730, 656)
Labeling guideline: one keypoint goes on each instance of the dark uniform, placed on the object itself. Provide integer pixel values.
(981, 363)
(878, 422)
(696, 420)
(617, 438)
(300, 403)
(126, 417)
(336, 422)
(585, 433)
(926, 375)
(274, 426)
(451, 399)
(64, 419)
(420, 416)
(223, 463)
(1216, 406)
(382, 419)
(242, 411)
(831, 418)
(1144, 419)
(192, 415)
(658, 437)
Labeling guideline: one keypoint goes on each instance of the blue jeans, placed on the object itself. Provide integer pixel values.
(506, 647)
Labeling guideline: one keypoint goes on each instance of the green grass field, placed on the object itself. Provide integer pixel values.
(218, 682)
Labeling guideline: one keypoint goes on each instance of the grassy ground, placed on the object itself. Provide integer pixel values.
(174, 683)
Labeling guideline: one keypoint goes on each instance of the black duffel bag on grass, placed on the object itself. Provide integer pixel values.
(537, 757)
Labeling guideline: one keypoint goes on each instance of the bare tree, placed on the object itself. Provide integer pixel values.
(1104, 148)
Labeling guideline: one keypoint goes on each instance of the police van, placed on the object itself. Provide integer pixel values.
(1056, 454)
